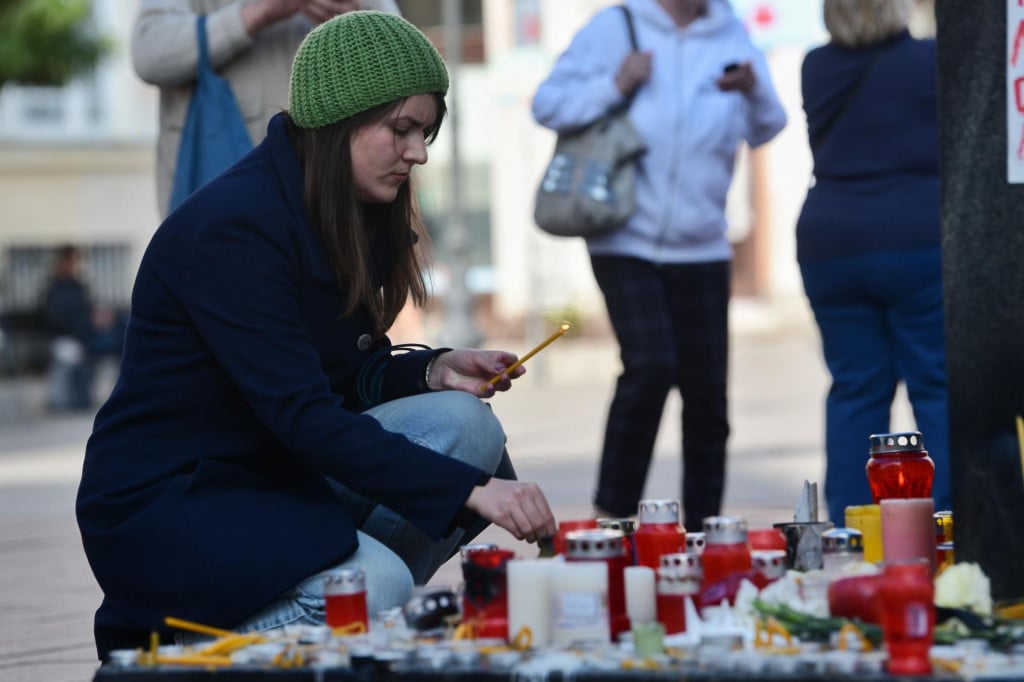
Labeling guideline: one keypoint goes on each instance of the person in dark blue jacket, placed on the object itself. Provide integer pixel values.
(868, 237)
(263, 430)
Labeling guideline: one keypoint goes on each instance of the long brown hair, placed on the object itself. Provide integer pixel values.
(349, 227)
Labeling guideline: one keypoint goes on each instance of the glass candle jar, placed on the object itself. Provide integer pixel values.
(345, 600)
(727, 551)
(485, 595)
(841, 547)
(679, 579)
(604, 545)
(867, 518)
(899, 467)
(658, 531)
(906, 594)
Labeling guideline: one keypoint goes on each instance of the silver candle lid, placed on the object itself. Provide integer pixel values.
(682, 563)
(344, 581)
(838, 540)
(695, 542)
(602, 543)
(906, 441)
(658, 511)
(725, 530)
(771, 563)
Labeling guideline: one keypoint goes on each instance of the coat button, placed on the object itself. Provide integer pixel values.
(364, 342)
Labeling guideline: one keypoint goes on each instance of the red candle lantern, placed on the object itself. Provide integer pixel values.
(906, 594)
(899, 467)
(658, 532)
(726, 558)
(485, 596)
(345, 600)
(766, 538)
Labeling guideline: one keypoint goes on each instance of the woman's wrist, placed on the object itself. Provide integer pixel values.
(426, 373)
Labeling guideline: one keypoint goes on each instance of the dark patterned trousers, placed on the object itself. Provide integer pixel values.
(671, 323)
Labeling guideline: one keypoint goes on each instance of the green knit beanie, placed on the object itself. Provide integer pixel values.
(357, 61)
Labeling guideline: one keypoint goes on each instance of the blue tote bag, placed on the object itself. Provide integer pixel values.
(214, 135)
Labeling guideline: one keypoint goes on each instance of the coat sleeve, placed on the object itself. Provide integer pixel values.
(163, 43)
(242, 286)
(765, 115)
(581, 85)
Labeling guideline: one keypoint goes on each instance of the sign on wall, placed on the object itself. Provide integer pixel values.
(1015, 91)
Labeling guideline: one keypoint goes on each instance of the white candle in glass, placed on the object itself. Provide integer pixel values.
(579, 603)
(529, 598)
(641, 603)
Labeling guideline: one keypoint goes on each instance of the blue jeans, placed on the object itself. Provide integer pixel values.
(393, 553)
(881, 321)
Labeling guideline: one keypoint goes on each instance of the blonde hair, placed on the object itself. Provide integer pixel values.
(861, 23)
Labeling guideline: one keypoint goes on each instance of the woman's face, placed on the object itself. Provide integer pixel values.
(383, 153)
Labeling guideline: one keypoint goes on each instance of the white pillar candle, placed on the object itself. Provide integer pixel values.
(529, 598)
(579, 603)
(641, 604)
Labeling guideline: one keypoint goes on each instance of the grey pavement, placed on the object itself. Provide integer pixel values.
(554, 417)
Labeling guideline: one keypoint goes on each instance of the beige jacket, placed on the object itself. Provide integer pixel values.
(165, 54)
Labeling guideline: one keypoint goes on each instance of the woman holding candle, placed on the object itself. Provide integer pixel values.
(263, 430)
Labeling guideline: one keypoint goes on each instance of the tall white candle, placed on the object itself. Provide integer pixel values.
(529, 598)
(641, 602)
(579, 603)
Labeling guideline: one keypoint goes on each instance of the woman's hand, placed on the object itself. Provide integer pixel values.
(320, 11)
(634, 72)
(740, 78)
(518, 507)
(470, 370)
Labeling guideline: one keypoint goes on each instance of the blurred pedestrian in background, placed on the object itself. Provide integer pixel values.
(251, 45)
(868, 237)
(264, 430)
(701, 88)
(82, 332)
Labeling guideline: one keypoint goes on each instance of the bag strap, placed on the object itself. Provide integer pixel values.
(204, 53)
(851, 95)
(625, 103)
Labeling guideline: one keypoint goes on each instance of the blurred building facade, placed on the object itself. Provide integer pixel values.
(76, 164)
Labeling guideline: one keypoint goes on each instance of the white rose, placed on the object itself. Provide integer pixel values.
(964, 586)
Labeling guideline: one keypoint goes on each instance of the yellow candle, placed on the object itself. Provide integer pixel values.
(541, 346)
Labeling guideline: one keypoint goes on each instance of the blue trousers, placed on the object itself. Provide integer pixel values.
(881, 321)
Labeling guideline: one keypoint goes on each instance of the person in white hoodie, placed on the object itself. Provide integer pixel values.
(700, 88)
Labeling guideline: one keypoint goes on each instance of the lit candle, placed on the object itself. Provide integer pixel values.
(529, 599)
(579, 603)
(540, 346)
(908, 529)
(640, 595)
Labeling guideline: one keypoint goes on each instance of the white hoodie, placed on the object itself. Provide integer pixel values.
(692, 129)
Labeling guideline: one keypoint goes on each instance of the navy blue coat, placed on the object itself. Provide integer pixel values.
(876, 168)
(203, 494)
